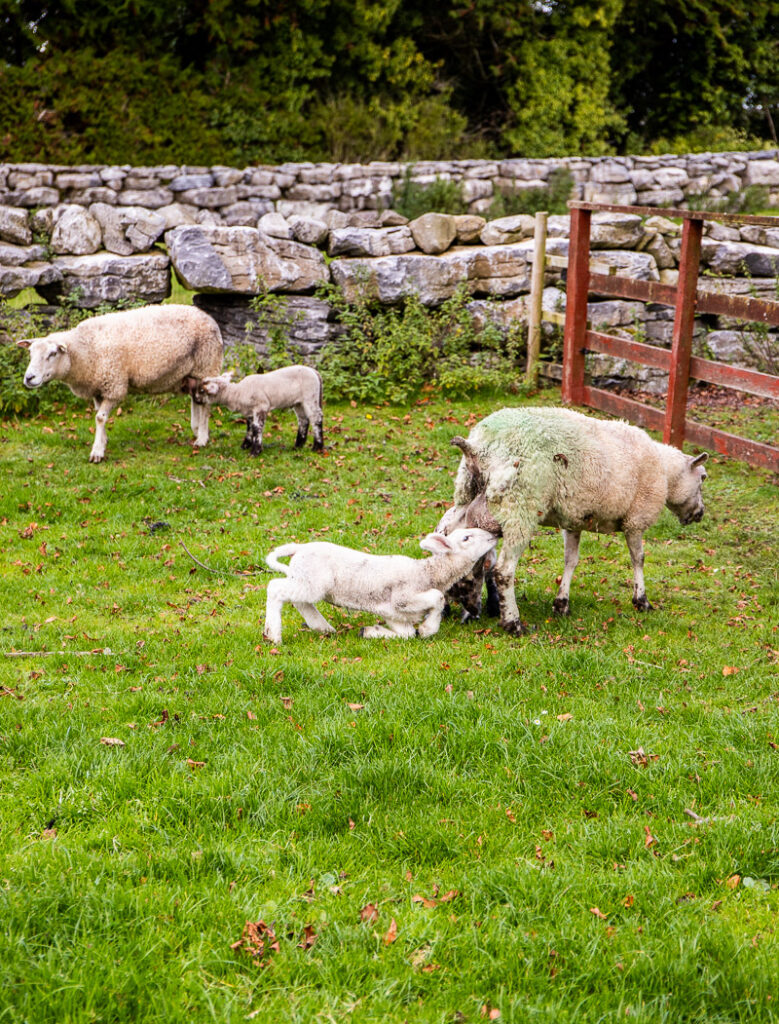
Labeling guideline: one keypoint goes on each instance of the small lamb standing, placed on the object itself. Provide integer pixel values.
(557, 467)
(150, 350)
(292, 387)
(403, 591)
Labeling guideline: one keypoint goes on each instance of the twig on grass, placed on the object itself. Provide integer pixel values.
(105, 651)
(223, 572)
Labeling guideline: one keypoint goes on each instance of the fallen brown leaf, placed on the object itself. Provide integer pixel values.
(392, 933)
(732, 882)
(598, 913)
(427, 903)
(111, 741)
(369, 913)
(257, 939)
(565, 718)
(308, 938)
(195, 764)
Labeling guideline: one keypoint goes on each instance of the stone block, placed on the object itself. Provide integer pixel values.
(90, 281)
(15, 225)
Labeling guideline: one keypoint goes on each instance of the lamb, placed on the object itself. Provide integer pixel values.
(404, 591)
(292, 387)
(557, 467)
(467, 591)
(151, 350)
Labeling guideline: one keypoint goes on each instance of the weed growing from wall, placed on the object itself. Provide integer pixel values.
(553, 197)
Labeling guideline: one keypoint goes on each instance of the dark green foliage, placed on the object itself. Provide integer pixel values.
(751, 199)
(413, 199)
(390, 354)
(553, 198)
(253, 82)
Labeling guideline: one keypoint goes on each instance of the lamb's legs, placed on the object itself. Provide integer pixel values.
(392, 631)
(314, 619)
(635, 543)
(103, 411)
(198, 418)
(303, 422)
(429, 606)
(561, 604)
(255, 428)
(319, 441)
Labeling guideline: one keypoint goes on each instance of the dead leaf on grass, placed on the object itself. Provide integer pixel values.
(598, 913)
(391, 933)
(195, 764)
(640, 759)
(111, 741)
(369, 913)
(257, 939)
(732, 882)
(427, 903)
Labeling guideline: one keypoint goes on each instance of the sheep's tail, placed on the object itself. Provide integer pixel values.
(283, 551)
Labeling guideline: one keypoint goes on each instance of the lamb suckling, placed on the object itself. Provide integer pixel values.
(557, 467)
(467, 592)
(405, 592)
(292, 387)
(151, 350)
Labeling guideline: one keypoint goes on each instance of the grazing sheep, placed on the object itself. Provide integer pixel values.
(150, 350)
(404, 591)
(292, 387)
(556, 467)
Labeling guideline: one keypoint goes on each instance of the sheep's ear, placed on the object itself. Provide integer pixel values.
(62, 347)
(699, 459)
(437, 543)
(24, 344)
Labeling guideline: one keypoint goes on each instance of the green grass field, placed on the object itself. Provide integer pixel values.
(465, 828)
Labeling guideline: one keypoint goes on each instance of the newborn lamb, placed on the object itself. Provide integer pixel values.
(404, 591)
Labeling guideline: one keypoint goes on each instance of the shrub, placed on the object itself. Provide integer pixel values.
(751, 199)
(390, 354)
(553, 197)
(412, 199)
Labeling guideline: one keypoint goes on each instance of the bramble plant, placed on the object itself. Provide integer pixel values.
(389, 354)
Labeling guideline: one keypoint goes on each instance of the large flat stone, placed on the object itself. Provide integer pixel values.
(15, 226)
(353, 241)
(500, 270)
(734, 257)
(243, 260)
(103, 277)
(15, 279)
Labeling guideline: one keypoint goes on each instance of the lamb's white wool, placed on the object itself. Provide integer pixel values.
(291, 387)
(403, 591)
(151, 350)
(556, 467)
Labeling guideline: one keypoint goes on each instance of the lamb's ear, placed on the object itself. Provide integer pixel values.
(25, 344)
(228, 375)
(62, 347)
(699, 459)
(437, 543)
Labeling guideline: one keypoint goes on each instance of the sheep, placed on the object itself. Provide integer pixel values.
(557, 467)
(467, 591)
(404, 591)
(292, 387)
(151, 350)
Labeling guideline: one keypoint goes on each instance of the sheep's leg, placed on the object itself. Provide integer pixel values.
(303, 422)
(492, 606)
(561, 604)
(256, 427)
(635, 542)
(247, 441)
(103, 408)
(314, 619)
(199, 415)
(319, 440)
(392, 631)
(503, 576)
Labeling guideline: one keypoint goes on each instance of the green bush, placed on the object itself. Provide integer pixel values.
(751, 199)
(553, 197)
(412, 199)
(391, 354)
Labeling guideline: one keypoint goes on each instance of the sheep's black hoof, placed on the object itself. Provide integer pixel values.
(561, 606)
(642, 604)
(362, 631)
(469, 616)
(255, 451)
(515, 627)
(447, 611)
(318, 446)
(246, 443)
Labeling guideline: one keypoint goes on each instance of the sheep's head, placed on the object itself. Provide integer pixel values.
(685, 498)
(49, 360)
(209, 388)
(473, 543)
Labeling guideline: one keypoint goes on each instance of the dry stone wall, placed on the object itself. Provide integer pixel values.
(98, 235)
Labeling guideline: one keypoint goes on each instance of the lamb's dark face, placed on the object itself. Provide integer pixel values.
(685, 497)
(48, 360)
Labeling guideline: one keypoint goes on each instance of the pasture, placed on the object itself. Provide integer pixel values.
(577, 825)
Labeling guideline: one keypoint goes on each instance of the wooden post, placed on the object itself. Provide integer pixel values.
(576, 307)
(684, 320)
(536, 297)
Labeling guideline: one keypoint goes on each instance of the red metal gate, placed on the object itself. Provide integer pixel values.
(679, 361)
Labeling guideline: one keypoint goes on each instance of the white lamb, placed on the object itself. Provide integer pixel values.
(557, 467)
(403, 591)
(292, 387)
(151, 350)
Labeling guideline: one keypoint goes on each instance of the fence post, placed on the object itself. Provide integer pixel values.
(576, 307)
(684, 321)
(536, 299)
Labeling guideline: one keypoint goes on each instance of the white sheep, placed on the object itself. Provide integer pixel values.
(403, 591)
(150, 350)
(557, 467)
(291, 387)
